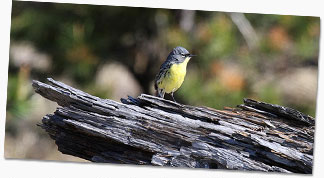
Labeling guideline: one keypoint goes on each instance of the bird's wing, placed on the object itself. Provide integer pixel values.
(163, 69)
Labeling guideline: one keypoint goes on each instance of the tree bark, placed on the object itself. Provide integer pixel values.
(153, 131)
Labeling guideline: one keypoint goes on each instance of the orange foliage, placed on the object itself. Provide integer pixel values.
(278, 37)
(229, 76)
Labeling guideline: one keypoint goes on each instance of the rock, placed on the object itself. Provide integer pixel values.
(117, 80)
(299, 85)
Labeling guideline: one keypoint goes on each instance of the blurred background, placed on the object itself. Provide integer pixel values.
(112, 52)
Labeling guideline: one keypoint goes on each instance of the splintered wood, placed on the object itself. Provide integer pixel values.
(153, 131)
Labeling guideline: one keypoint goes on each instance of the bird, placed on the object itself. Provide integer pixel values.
(172, 72)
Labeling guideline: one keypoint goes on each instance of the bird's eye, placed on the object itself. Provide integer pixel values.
(184, 55)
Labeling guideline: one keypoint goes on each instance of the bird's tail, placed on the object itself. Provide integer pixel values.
(160, 93)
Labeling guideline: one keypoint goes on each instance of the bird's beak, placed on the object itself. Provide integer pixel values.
(191, 55)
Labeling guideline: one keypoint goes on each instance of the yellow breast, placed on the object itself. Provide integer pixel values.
(174, 79)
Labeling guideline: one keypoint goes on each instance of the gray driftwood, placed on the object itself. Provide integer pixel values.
(153, 131)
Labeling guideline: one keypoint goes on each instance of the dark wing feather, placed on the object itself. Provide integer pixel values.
(166, 65)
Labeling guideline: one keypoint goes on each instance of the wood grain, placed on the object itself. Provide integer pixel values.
(153, 131)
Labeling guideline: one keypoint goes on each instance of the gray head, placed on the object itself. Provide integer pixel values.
(179, 54)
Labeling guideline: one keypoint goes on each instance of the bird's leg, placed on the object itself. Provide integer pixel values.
(173, 97)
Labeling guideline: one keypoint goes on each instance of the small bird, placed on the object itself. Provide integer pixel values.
(172, 72)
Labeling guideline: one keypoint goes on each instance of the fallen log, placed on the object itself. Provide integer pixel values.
(153, 131)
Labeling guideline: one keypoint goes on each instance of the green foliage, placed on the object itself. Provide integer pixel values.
(270, 94)
(81, 38)
(209, 92)
(18, 103)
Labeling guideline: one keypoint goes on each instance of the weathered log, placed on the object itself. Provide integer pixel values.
(154, 131)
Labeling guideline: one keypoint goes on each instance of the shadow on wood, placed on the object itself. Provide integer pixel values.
(153, 131)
